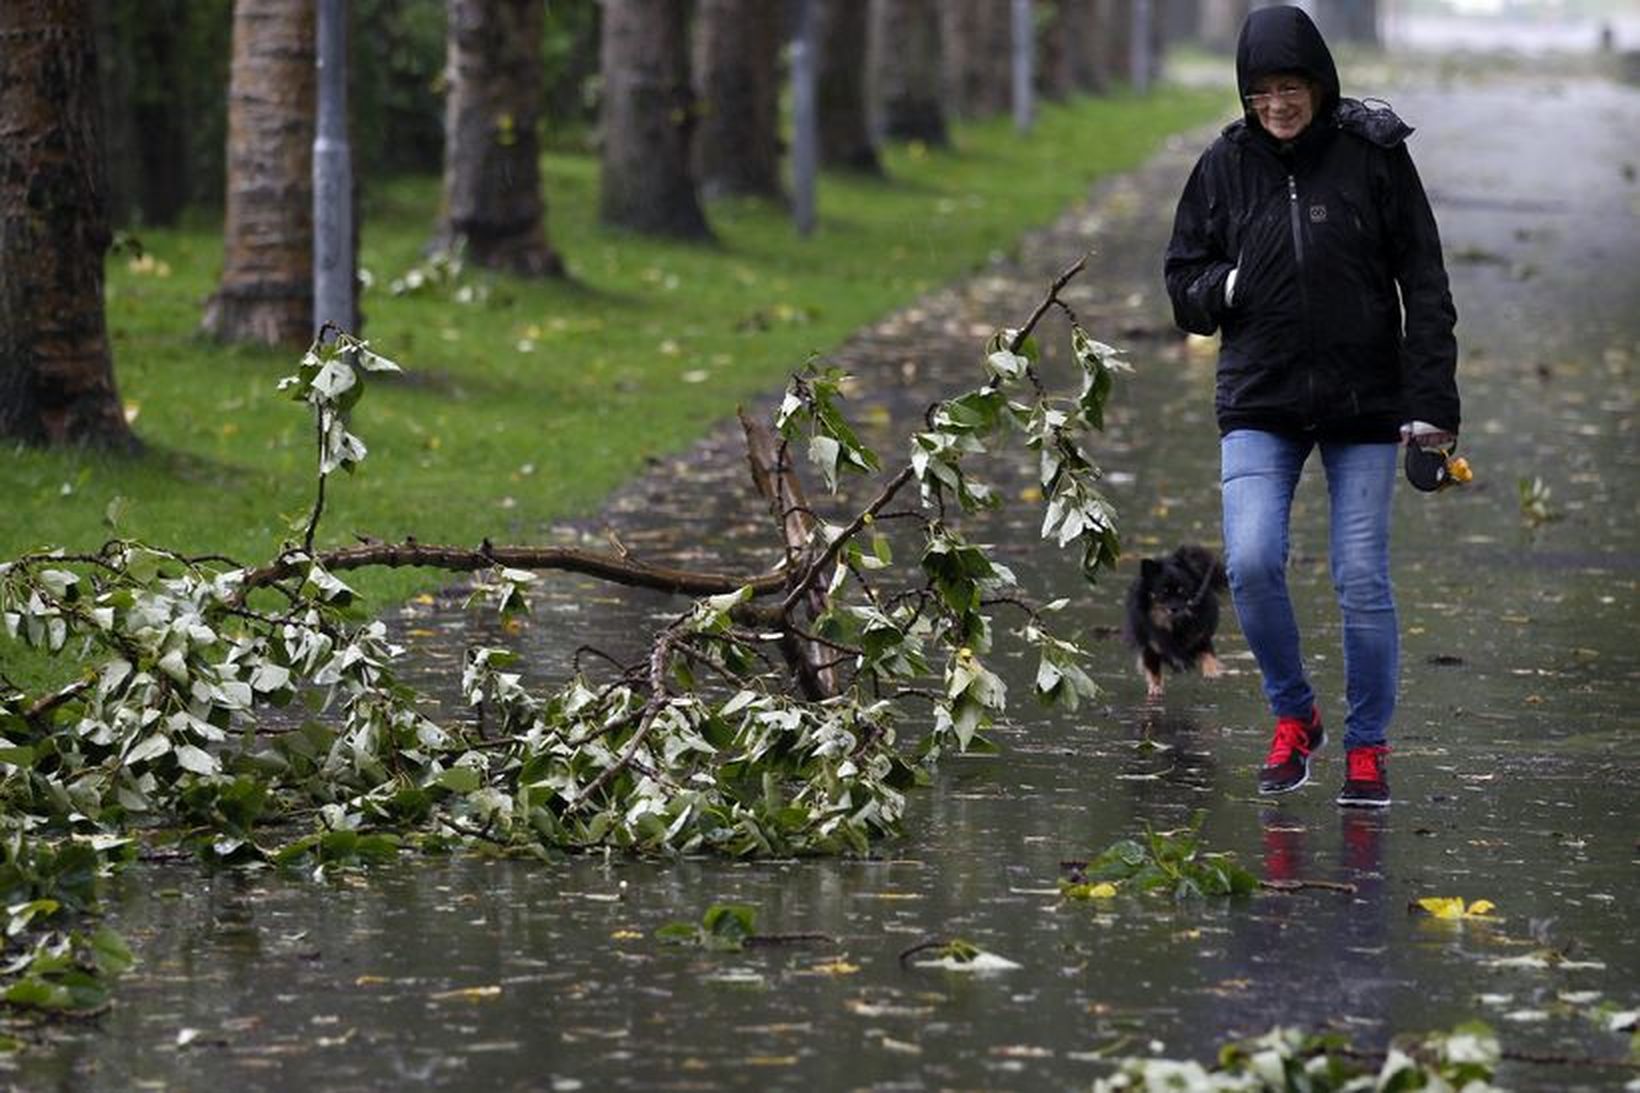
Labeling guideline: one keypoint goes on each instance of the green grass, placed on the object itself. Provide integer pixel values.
(484, 438)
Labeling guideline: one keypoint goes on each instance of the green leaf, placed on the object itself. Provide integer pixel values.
(459, 779)
(113, 955)
(197, 760)
(729, 922)
(37, 993)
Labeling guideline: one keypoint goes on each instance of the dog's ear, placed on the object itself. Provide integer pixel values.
(1150, 569)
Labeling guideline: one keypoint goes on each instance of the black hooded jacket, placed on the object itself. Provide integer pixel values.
(1341, 321)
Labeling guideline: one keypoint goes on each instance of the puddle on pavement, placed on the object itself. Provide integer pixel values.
(1514, 771)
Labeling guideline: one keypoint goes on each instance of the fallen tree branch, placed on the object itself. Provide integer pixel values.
(609, 567)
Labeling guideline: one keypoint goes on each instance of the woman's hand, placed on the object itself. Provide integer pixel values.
(1425, 435)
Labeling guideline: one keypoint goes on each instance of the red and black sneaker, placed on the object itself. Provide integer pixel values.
(1288, 765)
(1364, 783)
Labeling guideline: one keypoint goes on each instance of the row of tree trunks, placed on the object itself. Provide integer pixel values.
(492, 203)
(266, 292)
(56, 374)
(926, 57)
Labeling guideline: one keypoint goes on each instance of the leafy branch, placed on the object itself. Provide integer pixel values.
(763, 720)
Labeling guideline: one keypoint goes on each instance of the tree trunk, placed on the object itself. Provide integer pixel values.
(906, 64)
(56, 375)
(145, 116)
(119, 136)
(163, 141)
(1221, 21)
(492, 203)
(1179, 20)
(266, 292)
(976, 36)
(1354, 21)
(1077, 25)
(737, 142)
(1115, 40)
(647, 183)
(1053, 71)
(842, 31)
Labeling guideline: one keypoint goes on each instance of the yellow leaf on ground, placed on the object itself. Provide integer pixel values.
(1442, 906)
(1454, 907)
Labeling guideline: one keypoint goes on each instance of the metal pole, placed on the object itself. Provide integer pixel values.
(1024, 35)
(332, 177)
(1139, 46)
(805, 119)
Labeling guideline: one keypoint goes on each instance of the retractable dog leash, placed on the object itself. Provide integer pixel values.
(1432, 469)
(1207, 586)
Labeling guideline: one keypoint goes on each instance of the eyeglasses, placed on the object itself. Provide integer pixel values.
(1287, 94)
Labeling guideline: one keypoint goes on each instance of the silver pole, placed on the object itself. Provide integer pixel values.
(1024, 35)
(332, 177)
(1139, 47)
(805, 119)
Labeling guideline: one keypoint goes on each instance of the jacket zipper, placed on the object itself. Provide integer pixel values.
(1303, 295)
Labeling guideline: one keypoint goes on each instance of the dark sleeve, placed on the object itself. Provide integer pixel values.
(1430, 357)
(1195, 266)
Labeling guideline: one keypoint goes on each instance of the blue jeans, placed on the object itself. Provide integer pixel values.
(1259, 472)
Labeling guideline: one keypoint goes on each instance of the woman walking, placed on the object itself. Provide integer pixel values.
(1305, 237)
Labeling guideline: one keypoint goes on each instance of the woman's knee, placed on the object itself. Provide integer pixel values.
(1254, 567)
(1362, 585)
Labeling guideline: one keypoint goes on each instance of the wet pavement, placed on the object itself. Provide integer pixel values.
(1514, 766)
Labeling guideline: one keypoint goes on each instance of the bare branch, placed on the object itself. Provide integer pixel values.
(1048, 301)
(50, 702)
(609, 567)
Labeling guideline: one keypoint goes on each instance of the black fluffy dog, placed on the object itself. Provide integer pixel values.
(1173, 612)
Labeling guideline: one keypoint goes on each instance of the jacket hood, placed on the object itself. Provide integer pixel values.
(1283, 39)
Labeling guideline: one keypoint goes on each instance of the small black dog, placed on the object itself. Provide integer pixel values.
(1173, 612)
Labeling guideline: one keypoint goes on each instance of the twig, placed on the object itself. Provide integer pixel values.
(575, 660)
(922, 946)
(786, 939)
(657, 695)
(1048, 301)
(1297, 885)
(835, 547)
(319, 500)
(1534, 1058)
(51, 701)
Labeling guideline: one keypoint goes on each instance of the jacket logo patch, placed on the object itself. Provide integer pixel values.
(1318, 214)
